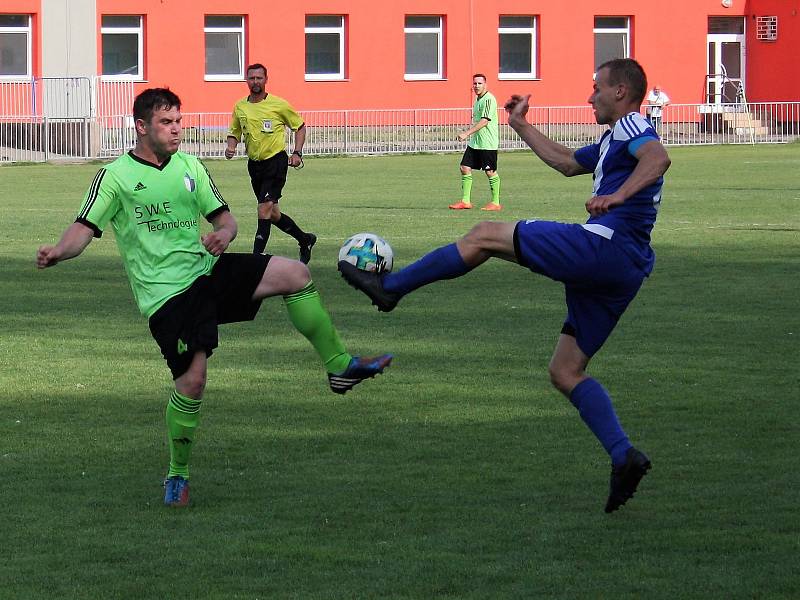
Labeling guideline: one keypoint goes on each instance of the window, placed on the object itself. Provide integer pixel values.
(122, 41)
(726, 25)
(15, 46)
(324, 47)
(611, 39)
(517, 37)
(424, 48)
(224, 47)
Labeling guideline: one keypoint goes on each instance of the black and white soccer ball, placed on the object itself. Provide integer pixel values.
(368, 252)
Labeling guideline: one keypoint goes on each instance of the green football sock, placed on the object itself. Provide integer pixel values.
(311, 319)
(494, 185)
(183, 416)
(466, 187)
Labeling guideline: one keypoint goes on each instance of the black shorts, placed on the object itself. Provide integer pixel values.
(268, 176)
(188, 322)
(486, 160)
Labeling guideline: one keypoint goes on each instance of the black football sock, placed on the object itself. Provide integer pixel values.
(287, 225)
(262, 236)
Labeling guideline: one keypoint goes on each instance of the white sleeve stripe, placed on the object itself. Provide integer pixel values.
(634, 124)
(625, 127)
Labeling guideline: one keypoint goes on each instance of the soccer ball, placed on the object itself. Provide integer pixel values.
(368, 252)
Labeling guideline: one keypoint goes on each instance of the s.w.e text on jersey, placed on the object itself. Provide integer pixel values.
(154, 212)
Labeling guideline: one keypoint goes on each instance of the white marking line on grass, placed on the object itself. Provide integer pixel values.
(692, 225)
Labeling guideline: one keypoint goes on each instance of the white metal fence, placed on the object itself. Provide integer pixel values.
(103, 129)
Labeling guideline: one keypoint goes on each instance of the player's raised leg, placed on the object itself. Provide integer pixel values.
(485, 240)
(292, 280)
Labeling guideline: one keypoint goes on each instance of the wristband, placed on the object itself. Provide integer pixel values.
(300, 154)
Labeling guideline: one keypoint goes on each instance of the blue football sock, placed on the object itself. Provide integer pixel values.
(442, 263)
(594, 406)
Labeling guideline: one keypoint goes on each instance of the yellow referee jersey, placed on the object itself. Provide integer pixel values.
(262, 125)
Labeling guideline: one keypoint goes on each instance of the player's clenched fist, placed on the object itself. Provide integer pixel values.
(47, 256)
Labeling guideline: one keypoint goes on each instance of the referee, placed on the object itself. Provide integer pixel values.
(260, 121)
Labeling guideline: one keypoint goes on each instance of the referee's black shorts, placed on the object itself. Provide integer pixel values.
(268, 176)
(187, 323)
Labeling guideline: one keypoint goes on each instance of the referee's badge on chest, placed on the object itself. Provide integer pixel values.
(266, 125)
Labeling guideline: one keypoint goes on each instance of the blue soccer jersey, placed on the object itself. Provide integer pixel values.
(612, 160)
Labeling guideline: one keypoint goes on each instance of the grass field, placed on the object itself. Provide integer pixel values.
(460, 473)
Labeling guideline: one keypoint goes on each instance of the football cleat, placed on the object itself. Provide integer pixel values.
(492, 206)
(460, 206)
(625, 478)
(357, 371)
(371, 284)
(305, 249)
(176, 491)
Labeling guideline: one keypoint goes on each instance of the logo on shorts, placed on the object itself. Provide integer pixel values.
(189, 183)
(182, 347)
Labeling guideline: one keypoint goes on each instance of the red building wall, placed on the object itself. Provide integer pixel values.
(670, 44)
(669, 41)
(774, 74)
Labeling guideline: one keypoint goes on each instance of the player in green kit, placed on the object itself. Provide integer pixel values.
(481, 152)
(184, 283)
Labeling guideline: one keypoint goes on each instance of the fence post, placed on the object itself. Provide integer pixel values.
(46, 126)
(416, 148)
(345, 131)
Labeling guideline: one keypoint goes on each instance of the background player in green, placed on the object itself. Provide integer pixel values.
(260, 120)
(185, 283)
(481, 152)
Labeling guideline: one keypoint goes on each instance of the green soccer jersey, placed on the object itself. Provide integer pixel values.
(488, 137)
(154, 213)
(262, 125)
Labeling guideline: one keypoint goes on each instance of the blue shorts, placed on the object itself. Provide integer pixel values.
(600, 280)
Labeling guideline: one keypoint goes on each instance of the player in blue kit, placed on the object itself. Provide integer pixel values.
(602, 263)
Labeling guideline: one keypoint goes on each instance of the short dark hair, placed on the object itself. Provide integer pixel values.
(153, 99)
(257, 66)
(629, 72)
(479, 75)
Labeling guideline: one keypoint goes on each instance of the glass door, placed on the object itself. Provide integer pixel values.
(726, 52)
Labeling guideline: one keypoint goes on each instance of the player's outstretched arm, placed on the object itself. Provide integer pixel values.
(74, 240)
(225, 230)
(553, 154)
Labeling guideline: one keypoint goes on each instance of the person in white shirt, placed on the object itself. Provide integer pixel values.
(657, 99)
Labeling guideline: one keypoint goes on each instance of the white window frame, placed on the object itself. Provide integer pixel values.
(139, 31)
(439, 31)
(340, 30)
(626, 30)
(27, 30)
(531, 32)
(241, 31)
